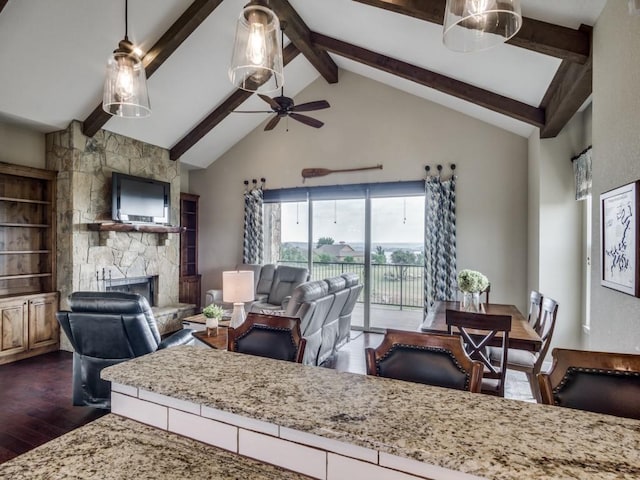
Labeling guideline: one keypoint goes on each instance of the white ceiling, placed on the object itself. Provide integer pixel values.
(54, 54)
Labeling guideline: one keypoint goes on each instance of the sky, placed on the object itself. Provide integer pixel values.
(393, 220)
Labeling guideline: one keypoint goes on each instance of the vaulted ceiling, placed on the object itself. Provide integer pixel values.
(54, 54)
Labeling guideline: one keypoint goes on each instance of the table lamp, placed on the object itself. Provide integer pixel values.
(237, 288)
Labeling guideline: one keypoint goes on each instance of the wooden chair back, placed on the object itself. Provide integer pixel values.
(599, 382)
(428, 358)
(535, 310)
(271, 336)
(486, 292)
(545, 327)
(478, 331)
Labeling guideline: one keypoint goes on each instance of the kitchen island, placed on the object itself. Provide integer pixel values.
(333, 425)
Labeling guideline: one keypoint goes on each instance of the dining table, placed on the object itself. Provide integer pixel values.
(522, 335)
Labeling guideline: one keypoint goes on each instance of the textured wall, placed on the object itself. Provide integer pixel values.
(369, 123)
(84, 196)
(615, 317)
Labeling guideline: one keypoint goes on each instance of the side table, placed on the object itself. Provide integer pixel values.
(218, 341)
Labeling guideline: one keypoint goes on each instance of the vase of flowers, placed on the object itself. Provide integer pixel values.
(471, 283)
(213, 314)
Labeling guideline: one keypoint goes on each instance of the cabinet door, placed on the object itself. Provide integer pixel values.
(190, 290)
(43, 326)
(13, 327)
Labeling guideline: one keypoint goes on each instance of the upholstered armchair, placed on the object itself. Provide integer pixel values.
(106, 328)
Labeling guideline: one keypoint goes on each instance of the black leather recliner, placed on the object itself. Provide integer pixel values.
(106, 328)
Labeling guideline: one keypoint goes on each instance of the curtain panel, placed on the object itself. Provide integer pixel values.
(582, 173)
(253, 247)
(439, 240)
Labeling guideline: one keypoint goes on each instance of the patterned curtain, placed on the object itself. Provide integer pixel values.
(253, 234)
(439, 240)
(582, 173)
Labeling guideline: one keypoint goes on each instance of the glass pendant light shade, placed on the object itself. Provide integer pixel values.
(256, 63)
(125, 89)
(474, 25)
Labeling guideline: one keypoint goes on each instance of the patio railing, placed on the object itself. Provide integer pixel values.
(392, 284)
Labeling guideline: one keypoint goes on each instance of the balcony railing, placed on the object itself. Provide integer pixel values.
(398, 285)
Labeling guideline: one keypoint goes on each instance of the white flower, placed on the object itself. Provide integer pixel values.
(472, 281)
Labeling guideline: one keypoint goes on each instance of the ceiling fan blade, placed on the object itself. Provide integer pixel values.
(252, 111)
(275, 105)
(309, 106)
(312, 122)
(272, 123)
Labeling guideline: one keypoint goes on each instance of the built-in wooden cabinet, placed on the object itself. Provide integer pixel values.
(28, 300)
(189, 278)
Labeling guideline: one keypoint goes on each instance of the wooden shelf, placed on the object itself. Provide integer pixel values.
(129, 227)
(25, 275)
(24, 200)
(22, 252)
(25, 225)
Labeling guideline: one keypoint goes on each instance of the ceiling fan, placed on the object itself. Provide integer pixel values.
(285, 107)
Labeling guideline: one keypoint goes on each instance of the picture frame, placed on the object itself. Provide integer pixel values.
(620, 233)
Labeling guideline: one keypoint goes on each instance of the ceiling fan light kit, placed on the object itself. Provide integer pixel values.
(475, 25)
(125, 91)
(256, 62)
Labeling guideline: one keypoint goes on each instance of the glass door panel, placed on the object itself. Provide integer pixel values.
(397, 263)
(286, 233)
(339, 243)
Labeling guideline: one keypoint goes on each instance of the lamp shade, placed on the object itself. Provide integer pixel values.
(474, 25)
(256, 63)
(125, 88)
(237, 286)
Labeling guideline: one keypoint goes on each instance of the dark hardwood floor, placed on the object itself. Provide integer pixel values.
(35, 403)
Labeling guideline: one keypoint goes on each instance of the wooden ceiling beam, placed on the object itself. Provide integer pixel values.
(193, 16)
(493, 101)
(570, 88)
(221, 112)
(300, 35)
(542, 37)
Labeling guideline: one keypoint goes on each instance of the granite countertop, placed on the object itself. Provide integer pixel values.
(474, 433)
(115, 448)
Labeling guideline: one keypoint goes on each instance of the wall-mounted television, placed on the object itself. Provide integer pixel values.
(140, 200)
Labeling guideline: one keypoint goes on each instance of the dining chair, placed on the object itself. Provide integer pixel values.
(531, 362)
(271, 336)
(428, 358)
(535, 302)
(478, 331)
(599, 382)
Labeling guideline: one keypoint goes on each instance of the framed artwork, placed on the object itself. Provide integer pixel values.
(619, 235)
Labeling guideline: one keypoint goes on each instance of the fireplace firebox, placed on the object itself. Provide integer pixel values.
(145, 286)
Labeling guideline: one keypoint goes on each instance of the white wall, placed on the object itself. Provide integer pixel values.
(21, 146)
(369, 123)
(615, 317)
(555, 249)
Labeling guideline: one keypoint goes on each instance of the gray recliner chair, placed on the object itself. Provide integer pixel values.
(107, 328)
(285, 280)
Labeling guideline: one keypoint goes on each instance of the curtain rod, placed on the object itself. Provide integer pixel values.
(574, 158)
(255, 182)
(427, 168)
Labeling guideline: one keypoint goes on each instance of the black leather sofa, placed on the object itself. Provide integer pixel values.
(106, 328)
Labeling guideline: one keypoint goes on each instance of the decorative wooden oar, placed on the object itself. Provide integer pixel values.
(321, 172)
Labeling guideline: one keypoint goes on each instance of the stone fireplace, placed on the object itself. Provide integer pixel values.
(86, 257)
(145, 286)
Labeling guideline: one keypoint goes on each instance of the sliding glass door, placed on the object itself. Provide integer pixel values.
(376, 231)
(397, 263)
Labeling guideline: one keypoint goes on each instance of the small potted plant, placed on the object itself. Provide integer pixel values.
(213, 314)
(471, 283)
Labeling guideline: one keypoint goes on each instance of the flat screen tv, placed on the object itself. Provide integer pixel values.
(140, 200)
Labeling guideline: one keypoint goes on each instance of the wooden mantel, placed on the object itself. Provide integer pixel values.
(131, 227)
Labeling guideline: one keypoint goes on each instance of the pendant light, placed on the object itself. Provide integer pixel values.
(474, 25)
(125, 89)
(256, 63)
